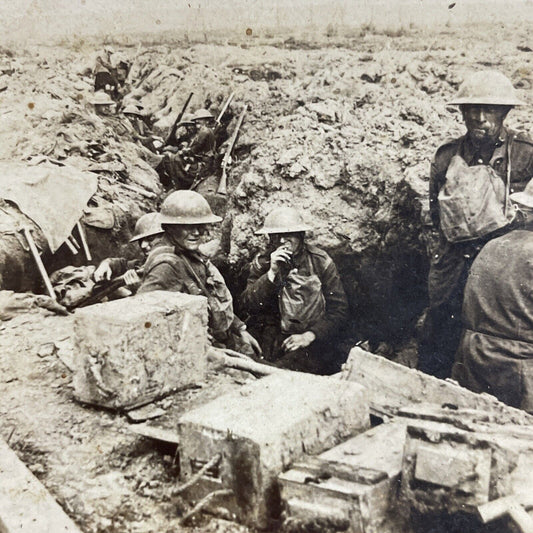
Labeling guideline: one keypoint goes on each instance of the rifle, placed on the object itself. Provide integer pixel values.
(99, 293)
(224, 108)
(223, 184)
(178, 120)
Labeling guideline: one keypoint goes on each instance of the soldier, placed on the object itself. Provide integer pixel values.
(484, 165)
(147, 234)
(295, 298)
(495, 354)
(185, 219)
(103, 104)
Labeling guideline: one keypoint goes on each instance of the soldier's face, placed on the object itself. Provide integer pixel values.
(291, 241)
(187, 237)
(484, 122)
(148, 243)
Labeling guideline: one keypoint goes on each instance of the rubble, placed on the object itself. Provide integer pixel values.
(300, 414)
(119, 365)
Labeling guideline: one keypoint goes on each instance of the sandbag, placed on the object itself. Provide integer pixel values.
(472, 202)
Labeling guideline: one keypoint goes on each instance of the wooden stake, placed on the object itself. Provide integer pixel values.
(39, 262)
(84, 241)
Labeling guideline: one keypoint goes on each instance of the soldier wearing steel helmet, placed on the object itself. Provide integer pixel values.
(294, 298)
(148, 235)
(485, 99)
(180, 266)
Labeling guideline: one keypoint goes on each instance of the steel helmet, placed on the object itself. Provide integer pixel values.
(147, 226)
(131, 109)
(283, 220)
(525, 197)
(186, 120)
(488, 87)
(101, 98)
(201, 114)
(186, 207)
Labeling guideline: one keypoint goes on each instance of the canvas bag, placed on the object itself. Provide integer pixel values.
(472, 201)
(301, 302)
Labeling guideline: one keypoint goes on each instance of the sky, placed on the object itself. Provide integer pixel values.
(55, 20)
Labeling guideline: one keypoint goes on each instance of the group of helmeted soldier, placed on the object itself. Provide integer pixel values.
(479, 324)
(188, 155)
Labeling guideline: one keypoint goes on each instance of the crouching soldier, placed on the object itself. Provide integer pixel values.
(148, 234)
(295, 298)
(185, 218)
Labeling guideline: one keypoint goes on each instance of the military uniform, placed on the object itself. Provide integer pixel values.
(495, 354)
(260, 301)
(450, 262)
(169, 268)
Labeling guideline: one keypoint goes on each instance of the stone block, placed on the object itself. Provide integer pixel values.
(132, 351)
(260, 430)
(353, 485)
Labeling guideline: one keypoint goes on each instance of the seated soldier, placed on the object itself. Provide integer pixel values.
(180, 266)
(148, 234)
(495, 353)
(295, 298)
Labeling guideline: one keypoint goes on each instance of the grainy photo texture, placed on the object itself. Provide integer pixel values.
(266, 266)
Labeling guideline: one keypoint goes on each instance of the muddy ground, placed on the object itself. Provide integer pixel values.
(343, 128)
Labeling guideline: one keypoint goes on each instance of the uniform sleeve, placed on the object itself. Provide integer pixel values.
(161, 278)
(336, 314)
(117, 265)
(260, 294)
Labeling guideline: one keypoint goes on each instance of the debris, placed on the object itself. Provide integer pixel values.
(147, 412)
(119, 365)
(355, 482)
(392, 386)
(25, 505)
(299, 413)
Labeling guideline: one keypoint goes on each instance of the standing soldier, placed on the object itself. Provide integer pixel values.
(470, 182)
(295, 298)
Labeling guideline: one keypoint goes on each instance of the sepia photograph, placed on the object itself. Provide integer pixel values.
(266, 266)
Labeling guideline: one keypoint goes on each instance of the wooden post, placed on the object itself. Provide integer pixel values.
(39, 262)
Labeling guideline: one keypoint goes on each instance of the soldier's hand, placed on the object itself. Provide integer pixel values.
(278, 257)
(103, 272)
(131, 278)
(248, 338)
(298, 341)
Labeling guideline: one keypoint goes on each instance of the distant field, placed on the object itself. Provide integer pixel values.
(50, 21)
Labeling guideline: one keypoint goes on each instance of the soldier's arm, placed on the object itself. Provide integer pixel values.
(260, 293)
(336, 315)
(161, 277)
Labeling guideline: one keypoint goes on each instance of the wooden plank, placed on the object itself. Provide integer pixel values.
(25, 505)
(392, 386)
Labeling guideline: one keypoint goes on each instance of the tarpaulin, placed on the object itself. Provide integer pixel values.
(54, 197)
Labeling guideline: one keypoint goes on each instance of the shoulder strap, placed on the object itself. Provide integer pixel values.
(508, 175)
(191, 271)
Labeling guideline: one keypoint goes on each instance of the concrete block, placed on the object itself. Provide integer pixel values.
(261, 430)
(134, 350)
(353, 485)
